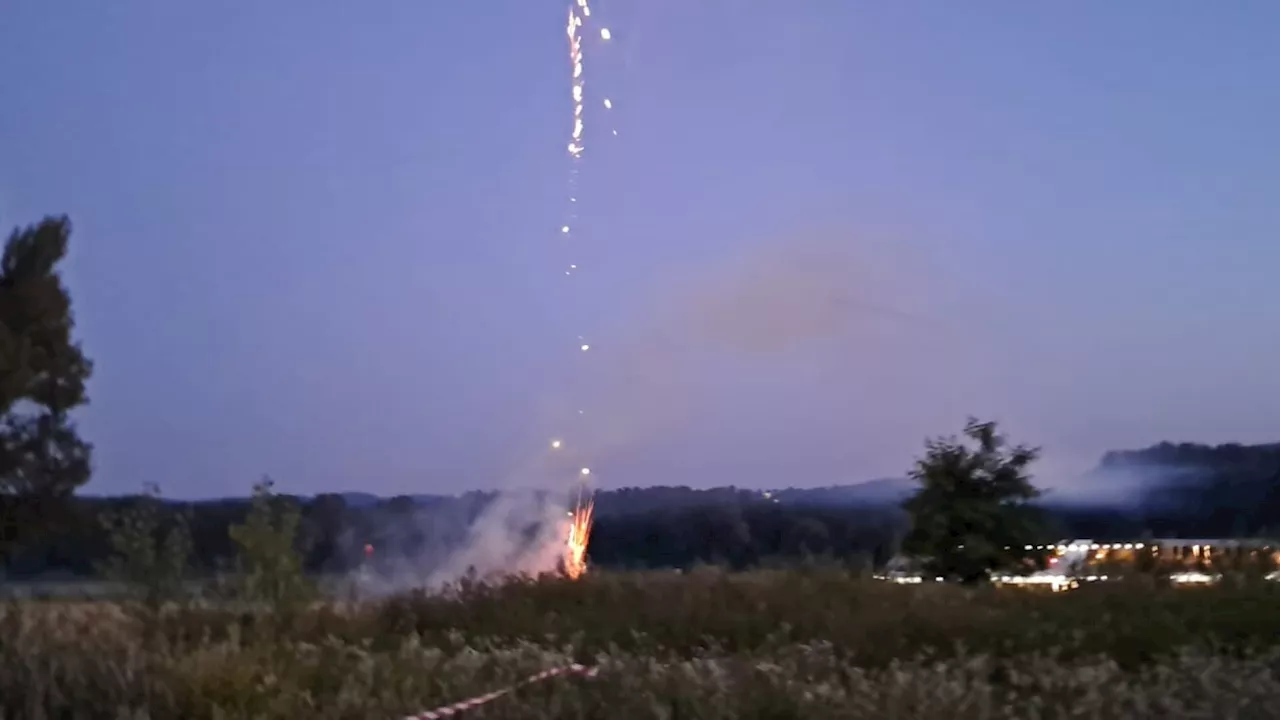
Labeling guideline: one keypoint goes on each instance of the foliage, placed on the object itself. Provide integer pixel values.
(813, 644)
(150, 558)
(972, 512)
(269, 566)
(42, 379)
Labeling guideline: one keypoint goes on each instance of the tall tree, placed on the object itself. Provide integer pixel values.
(972, 511)
(42, 379)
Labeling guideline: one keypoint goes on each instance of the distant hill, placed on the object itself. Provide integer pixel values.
(1168, 488)
(364, 500)
(885, 491)
(635, 500)
(359, 499)
(1193, 455)
(1225, 490)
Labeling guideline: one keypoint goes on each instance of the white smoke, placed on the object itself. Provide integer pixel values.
(786, 339)
(519, 533)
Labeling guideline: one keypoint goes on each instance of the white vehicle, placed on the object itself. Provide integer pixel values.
(1194, 577)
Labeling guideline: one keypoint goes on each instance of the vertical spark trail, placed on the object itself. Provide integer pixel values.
(578, 529)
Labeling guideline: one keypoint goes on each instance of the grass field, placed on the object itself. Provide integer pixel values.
(762, 645)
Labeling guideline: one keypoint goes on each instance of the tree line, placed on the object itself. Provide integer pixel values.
(729, 526)
(334, 537)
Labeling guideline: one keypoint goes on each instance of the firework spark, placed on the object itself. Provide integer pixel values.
(575, 59)
(575, 555)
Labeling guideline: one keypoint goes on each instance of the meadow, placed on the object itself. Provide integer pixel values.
(706, 644)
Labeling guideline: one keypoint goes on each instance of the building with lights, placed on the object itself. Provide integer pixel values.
(1184, 561)
(1077, 557)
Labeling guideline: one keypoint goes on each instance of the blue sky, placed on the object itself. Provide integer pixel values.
(319, 240)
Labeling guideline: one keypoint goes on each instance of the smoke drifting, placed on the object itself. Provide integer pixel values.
(520, 532)
(487, 536)
(807, 340)
(791, 297)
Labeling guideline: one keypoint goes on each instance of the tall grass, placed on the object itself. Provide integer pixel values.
(709, 644)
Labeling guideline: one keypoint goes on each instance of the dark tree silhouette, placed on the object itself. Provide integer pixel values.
(42, 379)
(973, 513)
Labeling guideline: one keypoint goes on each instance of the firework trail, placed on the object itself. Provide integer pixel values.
(578, 527)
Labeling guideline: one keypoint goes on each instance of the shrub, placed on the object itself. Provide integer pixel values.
(269, 570)
(150, 552)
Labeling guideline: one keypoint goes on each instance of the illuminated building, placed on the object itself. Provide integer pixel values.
(1172, 554)
(1185, 561)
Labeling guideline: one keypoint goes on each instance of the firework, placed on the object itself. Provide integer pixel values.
(575, 555)
(575, 59)
(578, 527)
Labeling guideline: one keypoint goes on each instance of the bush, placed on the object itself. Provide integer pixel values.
(269, 570)
(150, 552)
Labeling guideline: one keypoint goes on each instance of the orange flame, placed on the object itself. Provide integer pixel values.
(575, 551)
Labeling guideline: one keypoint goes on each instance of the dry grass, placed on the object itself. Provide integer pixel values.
(775, 645)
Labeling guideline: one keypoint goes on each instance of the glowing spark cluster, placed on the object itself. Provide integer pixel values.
(579, 11)
(575, 556)
(575, 57)
(578, 530)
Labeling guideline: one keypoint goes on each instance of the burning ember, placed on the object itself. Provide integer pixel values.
(575, 551)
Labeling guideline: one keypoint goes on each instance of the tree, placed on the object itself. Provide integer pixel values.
(270, 567)
(150, 555)
(322, 530)
(42, 379)
(972, 511)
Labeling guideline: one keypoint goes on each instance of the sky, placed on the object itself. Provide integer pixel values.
(319, 240)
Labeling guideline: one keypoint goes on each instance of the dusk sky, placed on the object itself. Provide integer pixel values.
(319, 240)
